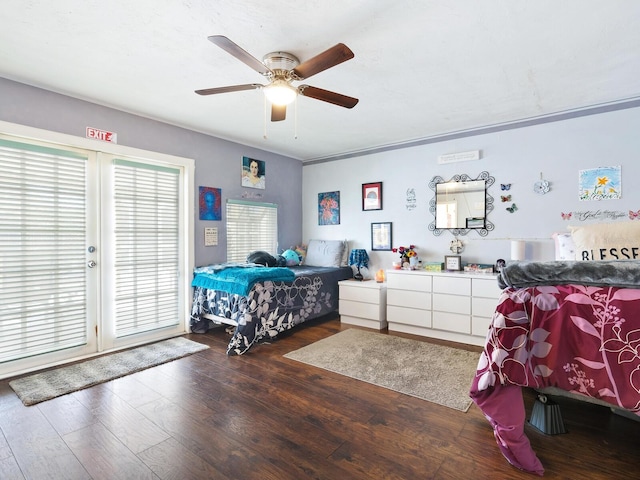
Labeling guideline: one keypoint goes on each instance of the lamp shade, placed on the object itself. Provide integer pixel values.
(359, 257)
(517, 250)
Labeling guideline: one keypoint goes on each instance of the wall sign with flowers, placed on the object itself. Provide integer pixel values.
(408, 256)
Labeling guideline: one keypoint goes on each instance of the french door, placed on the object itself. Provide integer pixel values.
(94, 251)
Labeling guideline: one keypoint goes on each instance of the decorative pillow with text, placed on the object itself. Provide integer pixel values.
(607, 241)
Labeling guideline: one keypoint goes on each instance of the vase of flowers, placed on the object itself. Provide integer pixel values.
(406, 254)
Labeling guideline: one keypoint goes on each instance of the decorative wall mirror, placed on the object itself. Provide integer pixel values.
(461, 204)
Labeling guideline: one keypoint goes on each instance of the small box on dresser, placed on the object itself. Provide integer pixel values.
(363, 303)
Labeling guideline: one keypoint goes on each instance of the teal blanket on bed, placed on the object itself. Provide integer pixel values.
(239, 279)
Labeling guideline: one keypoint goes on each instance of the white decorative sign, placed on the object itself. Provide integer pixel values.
(210, 236)
(459, 157)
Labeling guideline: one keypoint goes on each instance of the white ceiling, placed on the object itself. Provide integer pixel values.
(422, 69)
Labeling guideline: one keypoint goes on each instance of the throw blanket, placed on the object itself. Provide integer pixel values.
(238, 279)
(612, 273)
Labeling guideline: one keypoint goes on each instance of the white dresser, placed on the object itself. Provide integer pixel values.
(363, 303)
(449, 306)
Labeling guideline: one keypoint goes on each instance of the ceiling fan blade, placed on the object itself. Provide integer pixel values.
(231, 88)
(329, 58)
(278, 112)
(242, 55)
(327, 96)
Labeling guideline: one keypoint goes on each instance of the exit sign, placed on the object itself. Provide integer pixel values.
(103, 135)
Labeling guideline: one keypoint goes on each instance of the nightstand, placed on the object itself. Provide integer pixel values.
(363, 303)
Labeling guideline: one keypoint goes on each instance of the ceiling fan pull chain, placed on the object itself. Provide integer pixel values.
(264, 135)
(295, 119)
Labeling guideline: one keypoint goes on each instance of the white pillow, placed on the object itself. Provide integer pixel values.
(325, 253)
(607, 241)
(565, 247)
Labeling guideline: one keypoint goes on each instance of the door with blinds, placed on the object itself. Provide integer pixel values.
(142, 246)
(92, 253)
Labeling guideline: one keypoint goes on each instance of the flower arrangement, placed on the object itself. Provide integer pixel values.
(405, 252)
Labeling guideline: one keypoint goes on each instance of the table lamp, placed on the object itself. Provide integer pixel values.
(359, 258)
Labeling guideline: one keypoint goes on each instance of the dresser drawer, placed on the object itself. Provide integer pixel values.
(452, 303)
(362, 310)
(483, 307)
(482, 287)
(480, 326)
(408, 298)
(452, 322)
(408, 281)
(365, 295)
(459, 286)
(409, 316)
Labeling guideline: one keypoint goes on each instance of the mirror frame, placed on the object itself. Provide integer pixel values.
(488, 207)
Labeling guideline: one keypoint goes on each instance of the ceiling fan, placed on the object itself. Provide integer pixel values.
(281, 69)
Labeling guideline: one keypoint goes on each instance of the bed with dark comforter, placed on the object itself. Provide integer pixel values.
(568, 325)
(262, 302)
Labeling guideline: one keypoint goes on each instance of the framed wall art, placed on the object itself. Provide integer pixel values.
(329, 208)
(372, 196)
(381, 236)
(254, 173)
(210, 203)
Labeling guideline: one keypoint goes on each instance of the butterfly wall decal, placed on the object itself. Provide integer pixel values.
(634, 215)
(566, 216)
(505, 186)
(505, 198)
(512, 208)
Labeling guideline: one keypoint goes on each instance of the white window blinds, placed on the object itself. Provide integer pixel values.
(251, 226)
(43, 227)
(147, 247)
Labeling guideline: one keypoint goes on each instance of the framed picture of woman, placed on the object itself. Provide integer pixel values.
(253, 173)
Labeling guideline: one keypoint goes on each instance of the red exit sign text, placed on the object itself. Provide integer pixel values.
(103, 135)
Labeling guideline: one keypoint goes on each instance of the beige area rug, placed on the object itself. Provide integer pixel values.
(435, 373)
(60, 381)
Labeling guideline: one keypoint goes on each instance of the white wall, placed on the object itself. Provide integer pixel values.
(558, 150)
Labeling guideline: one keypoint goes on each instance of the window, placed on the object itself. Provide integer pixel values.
(251, 226)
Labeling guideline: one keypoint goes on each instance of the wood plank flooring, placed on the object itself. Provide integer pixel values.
(262, 416)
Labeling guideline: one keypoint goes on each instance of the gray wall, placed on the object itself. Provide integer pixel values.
(217, 162)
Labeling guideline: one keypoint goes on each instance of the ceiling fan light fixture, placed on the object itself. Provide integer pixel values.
(280, 92)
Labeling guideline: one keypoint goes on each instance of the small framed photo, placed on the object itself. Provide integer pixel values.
(452, 262)
(381, 236)
(372, 196)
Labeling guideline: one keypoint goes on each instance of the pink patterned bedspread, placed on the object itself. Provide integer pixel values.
(581, 339)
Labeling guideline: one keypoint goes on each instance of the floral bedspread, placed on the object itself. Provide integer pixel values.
(271, 307)
(582, 339)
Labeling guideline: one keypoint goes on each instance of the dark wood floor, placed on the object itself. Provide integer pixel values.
(261, 416)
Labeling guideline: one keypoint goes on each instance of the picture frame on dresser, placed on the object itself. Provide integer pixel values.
(381, 236)
(452, 263)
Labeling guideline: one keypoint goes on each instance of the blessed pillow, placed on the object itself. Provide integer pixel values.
(565, 247)
(607, 241)
(325, 253)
